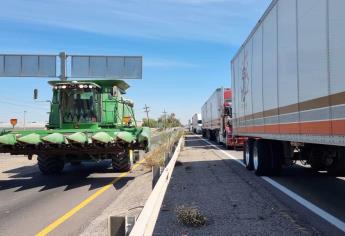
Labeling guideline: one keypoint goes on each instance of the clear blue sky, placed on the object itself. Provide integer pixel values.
(187, 46)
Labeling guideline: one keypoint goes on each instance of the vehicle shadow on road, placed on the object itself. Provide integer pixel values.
(89, 174)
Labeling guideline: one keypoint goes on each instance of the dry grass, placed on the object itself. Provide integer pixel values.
(190, 216)
(156, 156)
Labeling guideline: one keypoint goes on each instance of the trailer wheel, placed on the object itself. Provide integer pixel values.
(337, 168)
(75, 163)
(50, 164)
(207, 134)
(276, 157)
(203, 133)
(248, 154)
(217, 138)
(122, 162)
(316, 159)
(261, 158)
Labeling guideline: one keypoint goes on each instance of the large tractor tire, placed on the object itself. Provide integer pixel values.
(50, 164)
(122, 162)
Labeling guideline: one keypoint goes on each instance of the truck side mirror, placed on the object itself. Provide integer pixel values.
(35, 94)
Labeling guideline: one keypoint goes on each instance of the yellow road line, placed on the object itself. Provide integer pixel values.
(84, 203)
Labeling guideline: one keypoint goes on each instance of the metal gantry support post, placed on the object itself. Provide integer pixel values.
(63, 70)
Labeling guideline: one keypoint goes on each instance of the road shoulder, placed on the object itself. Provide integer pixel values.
(232, 201)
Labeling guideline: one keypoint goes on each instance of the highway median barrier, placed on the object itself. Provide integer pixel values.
(169, 153)
(162, 160)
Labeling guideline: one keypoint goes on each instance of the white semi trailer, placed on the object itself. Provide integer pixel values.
(197, 123)
(288, 81)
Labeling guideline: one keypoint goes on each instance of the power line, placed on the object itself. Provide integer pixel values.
(23, 105)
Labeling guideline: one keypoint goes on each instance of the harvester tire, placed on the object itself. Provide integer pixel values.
(122, 162)
(50, 164)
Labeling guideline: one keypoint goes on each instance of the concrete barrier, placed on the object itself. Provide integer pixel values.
(146, 221)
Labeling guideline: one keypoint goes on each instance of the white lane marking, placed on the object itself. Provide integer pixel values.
(202, 146)
(192, 140)
(315, 209)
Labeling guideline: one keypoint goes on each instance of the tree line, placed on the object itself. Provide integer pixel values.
(164, 121)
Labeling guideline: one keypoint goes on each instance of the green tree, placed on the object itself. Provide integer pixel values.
(169, 121)
(152, 123)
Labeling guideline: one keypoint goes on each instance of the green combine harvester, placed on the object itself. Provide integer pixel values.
(89, 120)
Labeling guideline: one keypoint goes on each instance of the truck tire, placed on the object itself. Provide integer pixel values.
(316, 160)
(337, 168)
(50, 164)
(248, 154)
(122, 162)
(208, 134)
(261, 157)
(203, 133)
(276, 156)
(75, 163)
(217, 137)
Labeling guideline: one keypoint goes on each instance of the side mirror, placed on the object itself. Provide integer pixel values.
(35, 94)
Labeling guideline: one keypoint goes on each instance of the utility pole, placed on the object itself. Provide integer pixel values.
(165, 119)
(24, 120)
(147, 110)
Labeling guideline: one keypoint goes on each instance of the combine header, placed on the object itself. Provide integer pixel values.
(89, 120)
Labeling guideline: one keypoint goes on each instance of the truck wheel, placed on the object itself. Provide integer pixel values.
(248, 154)
(217, 137)
(75, 163)
(122, 162)
(277, 155)
(316, 160)
(261, 158)
(337, 168)
(208, 135)
(204, 135)
(50, 164)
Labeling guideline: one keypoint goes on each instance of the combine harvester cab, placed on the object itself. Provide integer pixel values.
(89, 120)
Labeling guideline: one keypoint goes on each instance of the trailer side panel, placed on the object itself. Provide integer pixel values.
(295, 82)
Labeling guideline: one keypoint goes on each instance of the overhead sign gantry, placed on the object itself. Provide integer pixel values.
(71, 66)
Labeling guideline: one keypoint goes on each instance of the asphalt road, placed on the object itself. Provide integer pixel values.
(215, 183)
(325, 191)
(30, 201)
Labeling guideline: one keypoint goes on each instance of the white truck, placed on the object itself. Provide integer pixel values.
(197, 123)
(288, 81)
(217, 125)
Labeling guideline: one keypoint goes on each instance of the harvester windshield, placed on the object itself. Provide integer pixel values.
(80, 105)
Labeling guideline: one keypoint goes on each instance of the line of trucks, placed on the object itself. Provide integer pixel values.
(288, 90)
(215, 120)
